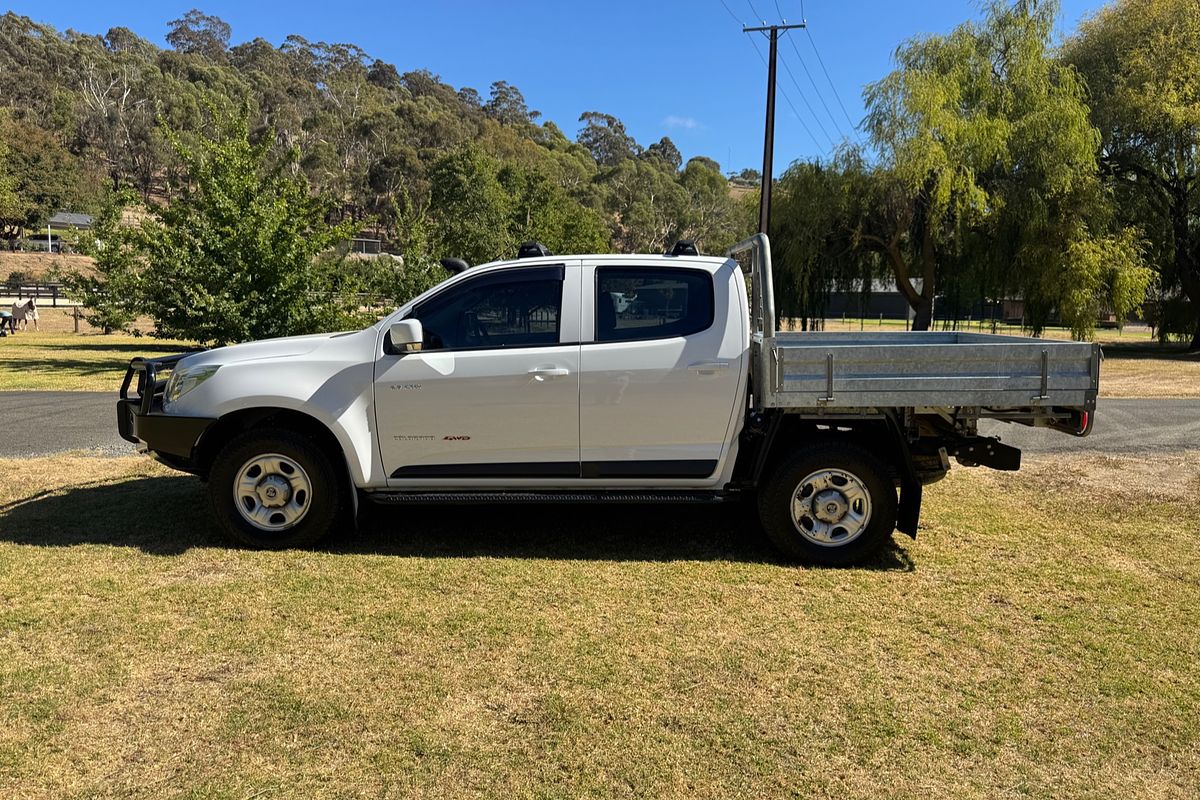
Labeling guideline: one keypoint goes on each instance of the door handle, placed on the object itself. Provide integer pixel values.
(541, 373)
(708, 367)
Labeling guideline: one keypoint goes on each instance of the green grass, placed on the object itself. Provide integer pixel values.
(1037, 640)
(68, 362)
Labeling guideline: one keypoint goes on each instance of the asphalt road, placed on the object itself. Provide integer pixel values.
(1121, 426)
(37, 423)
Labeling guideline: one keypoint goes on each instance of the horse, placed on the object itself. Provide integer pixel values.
(24, 312)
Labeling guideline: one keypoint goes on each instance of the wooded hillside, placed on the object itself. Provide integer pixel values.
(418, 162)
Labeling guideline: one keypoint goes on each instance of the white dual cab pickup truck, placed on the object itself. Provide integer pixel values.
(607, 378)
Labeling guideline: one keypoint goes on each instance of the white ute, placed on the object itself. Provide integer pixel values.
(600, 378)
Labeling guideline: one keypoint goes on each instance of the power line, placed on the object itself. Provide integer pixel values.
(782, 91)
(807, 104)
(730, 10)
(788, 100)
(837, 126)
(821, 61)
(753, 11)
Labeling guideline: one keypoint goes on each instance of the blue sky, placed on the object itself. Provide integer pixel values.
(671, 67)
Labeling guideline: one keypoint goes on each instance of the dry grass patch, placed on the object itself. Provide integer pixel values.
(1038, 640)
(1149, 371)
(68, 362)
(41, 266)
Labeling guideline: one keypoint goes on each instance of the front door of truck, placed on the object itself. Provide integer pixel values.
(493, 395)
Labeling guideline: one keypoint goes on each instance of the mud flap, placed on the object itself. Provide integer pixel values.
(909, 512)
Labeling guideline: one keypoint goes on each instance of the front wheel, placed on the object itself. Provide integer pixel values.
(830, 504)
(273, 489)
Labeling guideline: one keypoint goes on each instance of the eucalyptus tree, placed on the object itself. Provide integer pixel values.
(606, 138)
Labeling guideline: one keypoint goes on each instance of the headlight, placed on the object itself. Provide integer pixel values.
(184, 380)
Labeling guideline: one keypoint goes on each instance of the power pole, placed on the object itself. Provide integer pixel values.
(764, 208)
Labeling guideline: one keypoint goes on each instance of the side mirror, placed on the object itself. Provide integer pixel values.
(406, 336)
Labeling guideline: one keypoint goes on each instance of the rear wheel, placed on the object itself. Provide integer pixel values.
(831, 504)
(274, 489)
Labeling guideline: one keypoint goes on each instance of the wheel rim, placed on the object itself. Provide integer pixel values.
(831, 507)
(272, 492)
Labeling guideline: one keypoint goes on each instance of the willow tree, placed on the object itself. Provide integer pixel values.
(988, 165)
(813, 250)
(929, 120)
(1141, 61)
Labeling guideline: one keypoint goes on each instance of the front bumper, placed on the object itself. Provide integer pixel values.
(172, 439)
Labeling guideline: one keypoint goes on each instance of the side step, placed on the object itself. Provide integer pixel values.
(391, 498)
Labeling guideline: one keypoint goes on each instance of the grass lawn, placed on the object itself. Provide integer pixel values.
(1149, 370)
(70, 362)
(1038, 640)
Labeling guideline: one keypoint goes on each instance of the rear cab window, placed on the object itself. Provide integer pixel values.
(639, 303)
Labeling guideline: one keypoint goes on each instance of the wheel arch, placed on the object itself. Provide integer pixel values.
(882, 436)
(238, 422)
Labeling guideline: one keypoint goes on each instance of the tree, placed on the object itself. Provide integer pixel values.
(112, 294)
(472, 207)
(235, 255)
(543, 212)
(605, 138)
(383, 75)
(666, 151)
(12, 209)
(708, 163)
(931, 142)
(1141, 62)
(709, 215)
(647, 203)
(507, 106)
(988, 173)
(199, 33)
(813, 248)
(750, 177)
(38, 177)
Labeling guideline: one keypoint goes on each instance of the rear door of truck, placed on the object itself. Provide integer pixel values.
(662, 365)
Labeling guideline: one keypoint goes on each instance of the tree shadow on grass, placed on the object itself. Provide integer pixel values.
(149, 347)
(69, 366)
(1139, 351)
(168, 515)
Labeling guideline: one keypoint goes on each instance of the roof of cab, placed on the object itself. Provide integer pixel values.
(645, 259)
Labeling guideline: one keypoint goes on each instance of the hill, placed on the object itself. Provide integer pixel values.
(85, 115)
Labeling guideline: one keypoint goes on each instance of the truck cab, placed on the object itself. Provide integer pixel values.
(558, 372)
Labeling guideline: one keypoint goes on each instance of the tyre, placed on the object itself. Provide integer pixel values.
(830, 504)
(274, 489)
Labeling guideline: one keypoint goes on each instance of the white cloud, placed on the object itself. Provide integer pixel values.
(688, 123)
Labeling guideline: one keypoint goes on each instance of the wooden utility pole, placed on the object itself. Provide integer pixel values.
(764, 208)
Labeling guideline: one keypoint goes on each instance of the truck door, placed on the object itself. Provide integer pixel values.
(493, 394)
(662, 360)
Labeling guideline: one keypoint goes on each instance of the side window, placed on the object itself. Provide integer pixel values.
(517, 308)
(651, 303)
